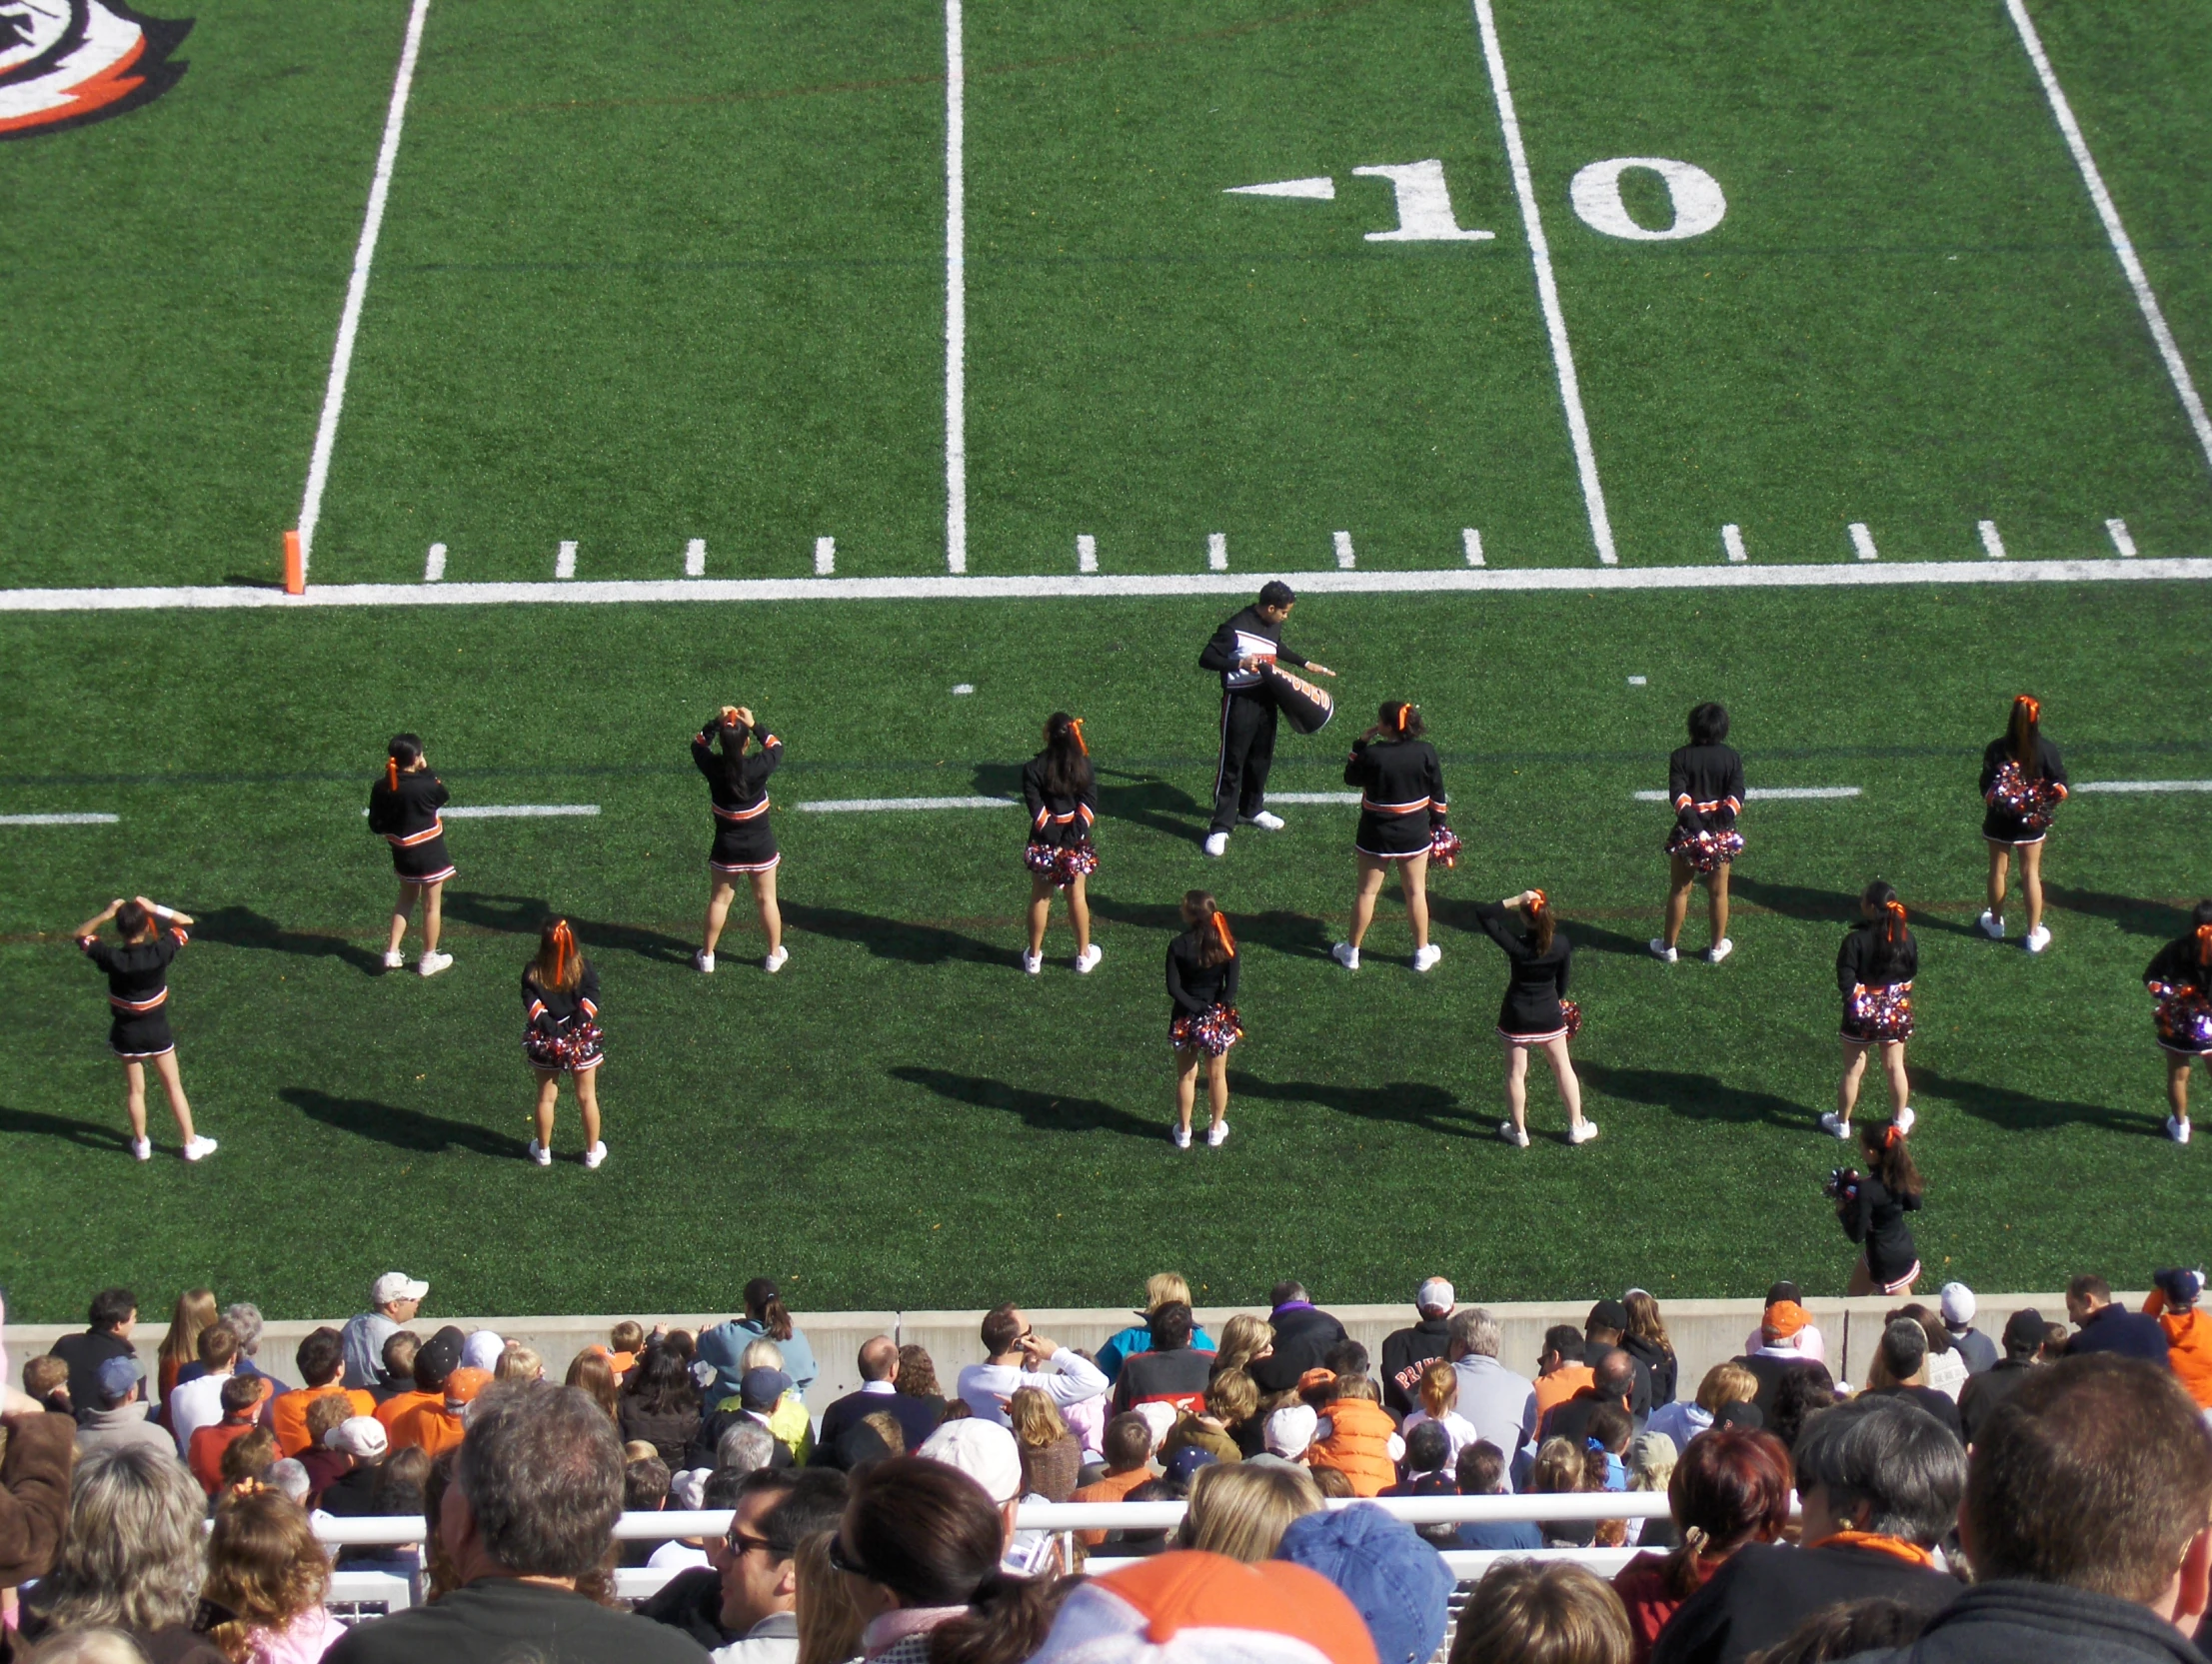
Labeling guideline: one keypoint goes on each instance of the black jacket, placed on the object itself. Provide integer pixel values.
(1244, 637)
(917, 1420)
(1934, 1403)
(1979, 1399)
(1865, 960)
(1665, 1368)
(1058, 820)
(1193, 988)
(2177, 963)
(2006, 1623)
(1876, 1219)
(1405, 1353)
(691, 1602)
(504, 1617)
(84, 1353)
(1304, 1337)
(1539, 981)
(1706, 786)
(1766, 1591)
(2112, 1328)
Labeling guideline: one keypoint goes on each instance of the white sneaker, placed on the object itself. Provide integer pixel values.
(142, 1149)
(1514, 1136)
(596, 1155)
(1582, 1131)
(1662, 953)
(1425, 959)
(1832, 1123)
(1216, 1135)
(1217, 845)
(1181, 1134)
(2039, 939)
(1033, 963)
(1263, 820)
(1345, 954)
(1993, 924)
(1904, 1119)
(432, 964)
(199, 1148)
(393, 959)
(2178, 1131)
(1719, 950)
(540, 1154)
(776, 961)
(1087, 960)
(703, 963)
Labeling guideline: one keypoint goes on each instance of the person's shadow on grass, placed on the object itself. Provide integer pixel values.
(407, 1129)
(906, 940)
(1298, 935)
(1046, 1111)
(1410, 1102)
(243, 927)
(1814, 907)
(1698, 1097)
(526, 915)
(90, 1135)
(2160, 920)
(2018, 1111)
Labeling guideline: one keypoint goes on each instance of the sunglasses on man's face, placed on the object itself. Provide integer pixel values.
(742, 1543)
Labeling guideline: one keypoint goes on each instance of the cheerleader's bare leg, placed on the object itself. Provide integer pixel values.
(1863, 1280)
(434, 914)
(772, 916)
(2000, 864)
(1413, 880)
(1854, 1070)
(587, 1104)
(172, 1083)
(2031, 883)
(1716, 902)
(1040, 912)
(548, 1088)
(1186, 1084)
(718, 897)
(401, 910)
(1078, 914)
(1216, 1088)
(1371, 874)
(1893, 1066)
(134, 1097)
(1516, 1087)
(2177, 1085)
(1571, 1083)
(1680, 878)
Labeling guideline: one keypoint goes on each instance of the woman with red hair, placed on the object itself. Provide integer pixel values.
(2022, 780)
(2179, 977)
(1730, 1489)
(561, 1036)
(1202, 1024)
(1874, 969)
(1537, 1015)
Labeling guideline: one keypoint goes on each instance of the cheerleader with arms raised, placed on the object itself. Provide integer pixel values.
(138, 1010)
(1201, 1021)
(1537, 1015)
(1062, 791)
(2180, 980)
(561, 1036)
(1874, 969)
(2022, 782)
(745, 844)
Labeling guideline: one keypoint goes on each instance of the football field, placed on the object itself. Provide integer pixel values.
(907, 371)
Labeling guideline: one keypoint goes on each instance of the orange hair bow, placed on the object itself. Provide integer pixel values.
(1892, 1136)
(563, 949)
(1536, 901)
(1221, 929)
(1897, 908)
(2204, 944)
(2035, 707)
(1075, 727)
(391, 773)
(1403, 711)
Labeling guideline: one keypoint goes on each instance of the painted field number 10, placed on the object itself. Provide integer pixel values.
(1424, 212)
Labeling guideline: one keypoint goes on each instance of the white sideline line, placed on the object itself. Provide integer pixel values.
(695, 558)
(1863, 541)
(956, 295)
(510, 811)
(1312, 797)
(1471, 541)
(879, 806)
(1731, 543)
(2114, 231)
(1087, 553)
(2117, 530)
(826, 556)
(1991, 545)
(356, 287)
(1768, 794)
(1548, 289)
(434, 564)
(59, 820)
(2143, 786)
(1217, 551)
(564, 563)
(1346, 559)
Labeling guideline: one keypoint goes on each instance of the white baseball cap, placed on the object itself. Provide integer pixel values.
(1435, 1295)
(396, 1285)
(1957, 1302)
(1290, 1430)
(982, 1450)
(357, 1435)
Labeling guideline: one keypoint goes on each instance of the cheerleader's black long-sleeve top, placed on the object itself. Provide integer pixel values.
(1398, 777)
(1706, 786)
(407, 814)
(1875, 1219)
(552, 1012)
(2047, 764)
(1866, 960)
(2177, 963)
(138, 971)
(1056, 818)
(1193, 986)
(1538, 982)
(1243, 636)
(739, 784)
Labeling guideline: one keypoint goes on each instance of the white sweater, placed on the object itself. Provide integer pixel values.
(985, 1387)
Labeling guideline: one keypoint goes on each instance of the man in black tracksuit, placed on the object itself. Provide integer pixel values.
(1237, 651)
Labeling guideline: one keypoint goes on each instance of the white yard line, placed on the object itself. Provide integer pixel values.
(356, 287)
(1768, 794)
(1087, 553)
(2115, 231)
(1217, 551)
(939, 586)
(1548, 289)
(511, 811)
(1312, 797)
(695, 558)
(881, 806)
(956, 295)
(826, 556)
(2142, 786)
(564, 562)
(59, 820)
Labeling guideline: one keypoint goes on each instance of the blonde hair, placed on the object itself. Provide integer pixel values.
(760, 1354)
(1439, 1388)
(828, 1623)
(1561, 1466)
(1232, 1397)
(1651, 1462)
(519, 1363)
(1726, 1384)
(1244, 1338)
(195, 1311)
(1243, 1510)
(265, 1565)
(1165, 1288)
(592, 1372)
(1523, 1613)
(1037, 1422)
(133, 1554)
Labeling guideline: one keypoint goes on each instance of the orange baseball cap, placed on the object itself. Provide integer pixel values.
(1191, 1606)
(463, 1385)
(1783, 1318)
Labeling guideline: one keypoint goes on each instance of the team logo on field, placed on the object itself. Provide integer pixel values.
(67, 62)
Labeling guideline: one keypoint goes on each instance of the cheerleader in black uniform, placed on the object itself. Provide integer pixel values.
(2180, 980)
(137, 1002)
(2022, 780)
(1202, 1019)
(1535, 1014)
(1062, 791)
(1704, 782)
(1874, 969)
(403, 810)
(1401, 821)
(1871, 1206)
(744, 841)
(561, 1036)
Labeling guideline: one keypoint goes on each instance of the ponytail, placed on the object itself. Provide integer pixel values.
(405, 751)
(1541, 921)
(1401, 719)
(1067, 772)
(559, 966)
(391, 773)
(763, 1304)
(2204, 944)
(1216, 945)
(2021, 731)
(1891, 1159)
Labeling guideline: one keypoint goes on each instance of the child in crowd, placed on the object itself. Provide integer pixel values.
(267, 1576)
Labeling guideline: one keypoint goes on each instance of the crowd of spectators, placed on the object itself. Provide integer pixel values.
(2047, 1494)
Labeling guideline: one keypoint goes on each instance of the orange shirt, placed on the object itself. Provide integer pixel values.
(288, 1415)
(429, 1425)
(1560, 1385)
(1114, 1487)
(2189, 1346)
(204, 1458)
(1359, 1445)
(399, 1404)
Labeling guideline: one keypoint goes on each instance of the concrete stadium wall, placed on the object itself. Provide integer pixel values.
(1706, 1332)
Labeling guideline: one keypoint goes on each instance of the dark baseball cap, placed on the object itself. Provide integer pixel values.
(2024, 1332)
(116, 1376)
(763, 1389)
(441, 1353)
(1607, 1315)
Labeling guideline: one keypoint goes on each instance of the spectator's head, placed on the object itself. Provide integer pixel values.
(828, 1623)
(249, 1458)
(763, 1304)
(1731, 1487)
(240, 1396)
(288, 1476)
(761, 1389)
(398, 1296)
(645, 1485)
(2096, 1474)
(1560, 1468)
(1482, 1469)
(1902, 1357)
(322, 1357)
(1291, 1431)
(360, 1436)
(1164, 1288)
(1002, 1329)
(518, 1362)
(1610, 1427)
(1613, 1380)
(1241, 1511)
(1931, 1324)
(194, 1311)
(401, 1479)
(1784, 1291)
(1801, 1391)
(1435, 1298)
(1848, 1631)
(1396, 1581)
(917, 1376)
(1183, 1608)
(1333, 1482)
(1955, 1304)
(745, 1447)
(331, 1411)
(132, 1553)
(626, 1337)
(592, 1374)
(662, 1383)
(1475, 1333)
(1170, 1326)
(115, 1383)
(2087, 1295)
(1289, 1292)
(988, 1454)
(1275, 600)
(1644, 1322)
(1353, 1386)
(1427, 1448)
(264, 1567)
(1127, 1443)
(438, 1357)
(1346, 1357)
(915, 1533)
(1244, 1338)
(1784, 1323)
(1607, 1323)
(218, 1348)
(1726, 1383)
(537, 1487)
(113, 1312)
(1523, 1613)
(1880, 1465)
(2057, 1338)
(1438, 1389)
(399, 1352)
(46, 1378)
(245, 1317)
(772, 1515)
(2024, 1331)
(878, 1358)
(483, 1351)
(2180, 1287)
(1562, 1345)
(1037, 1422)
(1231, 1397)
(1651, 1461)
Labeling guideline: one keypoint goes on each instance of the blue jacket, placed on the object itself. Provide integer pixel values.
(724, 1344)
(2128, 1334)
(1139, 1338)
(1516, 1535)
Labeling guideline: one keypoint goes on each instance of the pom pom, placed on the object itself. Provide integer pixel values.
(1212, 1032)
(1571, 1014)
(574, 1048)
(1062, 864)
(1883, 1013)
(2185, 1019)
(1704, 850)
(1040, 859)
(1443, 847)
(2029, 801)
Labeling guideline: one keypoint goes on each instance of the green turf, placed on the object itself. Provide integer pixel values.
(901, 1117)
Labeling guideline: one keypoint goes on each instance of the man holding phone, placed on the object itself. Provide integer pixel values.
(1016, 1350)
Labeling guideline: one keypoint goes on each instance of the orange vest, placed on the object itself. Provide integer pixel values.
(1358, 1446)
(2189, 1344)
(430, 1425)
(288, 1415)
